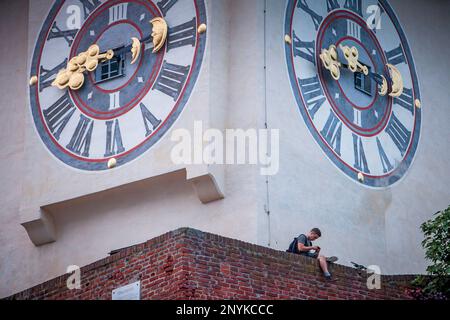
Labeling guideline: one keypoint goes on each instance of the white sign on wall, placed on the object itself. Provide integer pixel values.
(129, 292)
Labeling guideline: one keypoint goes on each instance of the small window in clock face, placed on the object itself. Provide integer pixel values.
(363, 83)
(110, 69)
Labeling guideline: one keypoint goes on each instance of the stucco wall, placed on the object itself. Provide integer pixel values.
(13, 110)
(366, 226)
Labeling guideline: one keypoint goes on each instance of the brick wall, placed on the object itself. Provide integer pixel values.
(190, 264)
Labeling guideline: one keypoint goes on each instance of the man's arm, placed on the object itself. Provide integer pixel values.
(301, 245)
(303, 248)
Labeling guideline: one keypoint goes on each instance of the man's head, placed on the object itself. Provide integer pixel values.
(314, 234)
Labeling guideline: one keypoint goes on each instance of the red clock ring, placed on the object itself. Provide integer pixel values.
(108, 115)
(318, 133)
(175, 107)
(365, 132)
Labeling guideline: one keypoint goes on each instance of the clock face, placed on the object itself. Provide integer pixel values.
(123, 107)
(367, 120)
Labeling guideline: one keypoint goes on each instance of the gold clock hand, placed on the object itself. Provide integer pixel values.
(158, 36)
(330, 61)
(135, 50)
(397, 81)
(352, 56)
(73, 75)
(381, 81)
(384, 87)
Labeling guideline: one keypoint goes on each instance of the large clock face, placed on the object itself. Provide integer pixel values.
(367, 119)
(123, 108)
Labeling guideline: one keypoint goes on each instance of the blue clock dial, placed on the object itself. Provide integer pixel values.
(365, 125)
(124, 106)
(117, 86)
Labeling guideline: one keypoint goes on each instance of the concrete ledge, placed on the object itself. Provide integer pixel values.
(207, 188)
(207, 181)
(41, 229)
(39, 226)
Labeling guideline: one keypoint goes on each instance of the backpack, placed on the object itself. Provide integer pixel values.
(293, 247)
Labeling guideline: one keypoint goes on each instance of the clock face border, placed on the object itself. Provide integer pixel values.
(370, 181)
(98, 165)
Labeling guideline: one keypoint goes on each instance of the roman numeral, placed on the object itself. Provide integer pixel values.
(89, 6)
(332, 132)
(58, 115)
(332, 5)
(114, 143)
(360, 155)
(81, 138)
(399, 134)
(114, 100)
(313, 94)
(357, 117)
(317, 19)
(56, 32)
(387, 166)
(182, 35)
(406, 100)
(149, 119)
(47, 76)
(354, 29)
(355, 6)
(171, 79)
(308, 52)
(396, 56)
(165, 5)
(118, 12)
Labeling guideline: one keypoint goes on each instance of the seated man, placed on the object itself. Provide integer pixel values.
(306, 248)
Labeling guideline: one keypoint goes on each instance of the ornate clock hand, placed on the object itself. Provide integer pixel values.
(330, 61)
(381, 81)
(135, 47)
(397, 81)
(352, 56)
(73, 76)
(158, 38)
(394, 86)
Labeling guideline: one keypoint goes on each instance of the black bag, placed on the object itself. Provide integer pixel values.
(293, 247)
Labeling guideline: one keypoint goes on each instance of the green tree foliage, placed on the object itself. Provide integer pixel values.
(436, 285)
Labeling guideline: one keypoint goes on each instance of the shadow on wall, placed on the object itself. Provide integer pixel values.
(93, 212)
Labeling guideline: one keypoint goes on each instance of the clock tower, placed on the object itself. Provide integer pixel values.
(95, 94)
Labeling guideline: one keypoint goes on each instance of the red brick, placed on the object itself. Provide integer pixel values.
(187, 264)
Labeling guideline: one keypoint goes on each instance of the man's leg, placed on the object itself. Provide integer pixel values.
(324, 266)
(323, 263)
